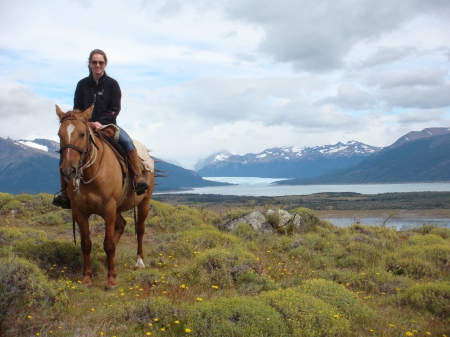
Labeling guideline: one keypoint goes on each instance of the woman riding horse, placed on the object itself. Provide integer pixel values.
(104, 92)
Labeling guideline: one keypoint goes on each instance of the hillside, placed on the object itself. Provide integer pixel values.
(420, 159)
(204, 279)
(32, 167)
(285, 162)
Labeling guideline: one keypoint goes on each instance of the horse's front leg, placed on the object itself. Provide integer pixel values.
(109, 246)
(86, 246)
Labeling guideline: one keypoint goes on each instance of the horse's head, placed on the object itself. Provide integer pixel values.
(74, 131)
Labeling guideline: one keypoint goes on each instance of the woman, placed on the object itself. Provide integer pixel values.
(104, 92)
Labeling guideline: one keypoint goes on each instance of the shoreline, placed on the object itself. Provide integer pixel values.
(385, 213)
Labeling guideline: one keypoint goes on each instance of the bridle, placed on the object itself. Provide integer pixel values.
(89, 149)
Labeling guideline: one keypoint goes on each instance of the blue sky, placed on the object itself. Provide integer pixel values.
(198, 76)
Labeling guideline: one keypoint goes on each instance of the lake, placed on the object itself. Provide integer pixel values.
(253, 186)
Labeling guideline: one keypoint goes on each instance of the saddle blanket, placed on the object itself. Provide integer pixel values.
(147, 163)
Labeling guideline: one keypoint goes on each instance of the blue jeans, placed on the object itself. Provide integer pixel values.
(125, 140)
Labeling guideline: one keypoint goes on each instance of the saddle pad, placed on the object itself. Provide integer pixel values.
(147, 163)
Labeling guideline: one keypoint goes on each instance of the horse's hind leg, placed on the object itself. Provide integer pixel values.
(143, 209)
(119, 228)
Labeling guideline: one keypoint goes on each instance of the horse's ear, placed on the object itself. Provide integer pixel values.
(59, 112)
(88, 112)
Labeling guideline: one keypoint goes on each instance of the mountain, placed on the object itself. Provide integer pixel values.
(419, 156)
(28, 169)
(32, 167)
(286, 162)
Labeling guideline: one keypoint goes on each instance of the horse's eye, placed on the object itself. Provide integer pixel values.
(82, 134)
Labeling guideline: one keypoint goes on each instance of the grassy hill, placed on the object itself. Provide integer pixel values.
(199, 281)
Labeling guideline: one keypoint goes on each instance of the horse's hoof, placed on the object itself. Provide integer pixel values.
(111, 284)
(86, 281)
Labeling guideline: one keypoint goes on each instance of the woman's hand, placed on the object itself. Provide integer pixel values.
(96, 125)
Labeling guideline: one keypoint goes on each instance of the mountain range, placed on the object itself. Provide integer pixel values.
(286, 162)
(418, 156)
(32, 167)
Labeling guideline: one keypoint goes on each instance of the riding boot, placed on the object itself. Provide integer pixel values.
(62, 200)
(139, 183)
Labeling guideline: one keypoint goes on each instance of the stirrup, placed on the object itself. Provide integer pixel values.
(62, 202)
(141, 186)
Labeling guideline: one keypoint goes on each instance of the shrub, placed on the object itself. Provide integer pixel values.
(244, 232)
(174, 219)
(50, 219)
(229, 216)
(338, 296)
(351, 261)
(60, 253)
(220, 267)
(22, 285)
(306, 315)
(146, 311)
(425, 256)
(252, 283)
(434, 298)
(238, 317)
(425, 240)
(310, 221)
(209, 237)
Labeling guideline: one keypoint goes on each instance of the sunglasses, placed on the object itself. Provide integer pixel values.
(98, 62)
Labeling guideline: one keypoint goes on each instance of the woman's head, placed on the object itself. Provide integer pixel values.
(97, 62)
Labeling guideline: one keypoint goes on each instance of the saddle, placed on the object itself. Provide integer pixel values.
(111, 134)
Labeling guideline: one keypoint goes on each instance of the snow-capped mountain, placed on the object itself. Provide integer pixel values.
(213, 158)
(42, 144)
(286, 162)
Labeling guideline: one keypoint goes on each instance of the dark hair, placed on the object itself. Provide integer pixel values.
(97, 51)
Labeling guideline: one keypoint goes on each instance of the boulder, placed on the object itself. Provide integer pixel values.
(270, 222)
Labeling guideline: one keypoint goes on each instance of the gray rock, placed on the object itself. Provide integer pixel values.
(272, 221)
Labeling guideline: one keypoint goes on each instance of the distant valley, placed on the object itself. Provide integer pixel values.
(31, 166)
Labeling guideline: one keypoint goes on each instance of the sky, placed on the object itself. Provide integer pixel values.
(199, 76)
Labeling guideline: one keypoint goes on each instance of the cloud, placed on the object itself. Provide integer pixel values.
(424, 97)
(384, 55)
(316, 35)
(421, 117)
(349, 96)
(413, 77)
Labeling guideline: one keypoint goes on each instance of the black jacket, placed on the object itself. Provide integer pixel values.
(106, 95)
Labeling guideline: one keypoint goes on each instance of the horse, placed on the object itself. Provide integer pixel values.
(98, 185)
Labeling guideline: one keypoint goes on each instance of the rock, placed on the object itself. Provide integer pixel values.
(272, 221)
(256, 220)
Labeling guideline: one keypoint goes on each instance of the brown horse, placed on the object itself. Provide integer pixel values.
(97, 185)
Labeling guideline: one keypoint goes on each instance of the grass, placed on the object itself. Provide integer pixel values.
(318, 280)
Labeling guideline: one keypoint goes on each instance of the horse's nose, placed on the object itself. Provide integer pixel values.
(68, 173)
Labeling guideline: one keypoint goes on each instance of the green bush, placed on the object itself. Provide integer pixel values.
(209, 237)
(50, 219)
(306, 315)
(244, 232)
(252, 283)
(151, 310)
(52, 252)
(424, 256)
(434, 298)
(22, 286)
(220, 267)
(338, 296)
(310, 221)
(238, 317)
(425, 240)
(229, 216)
